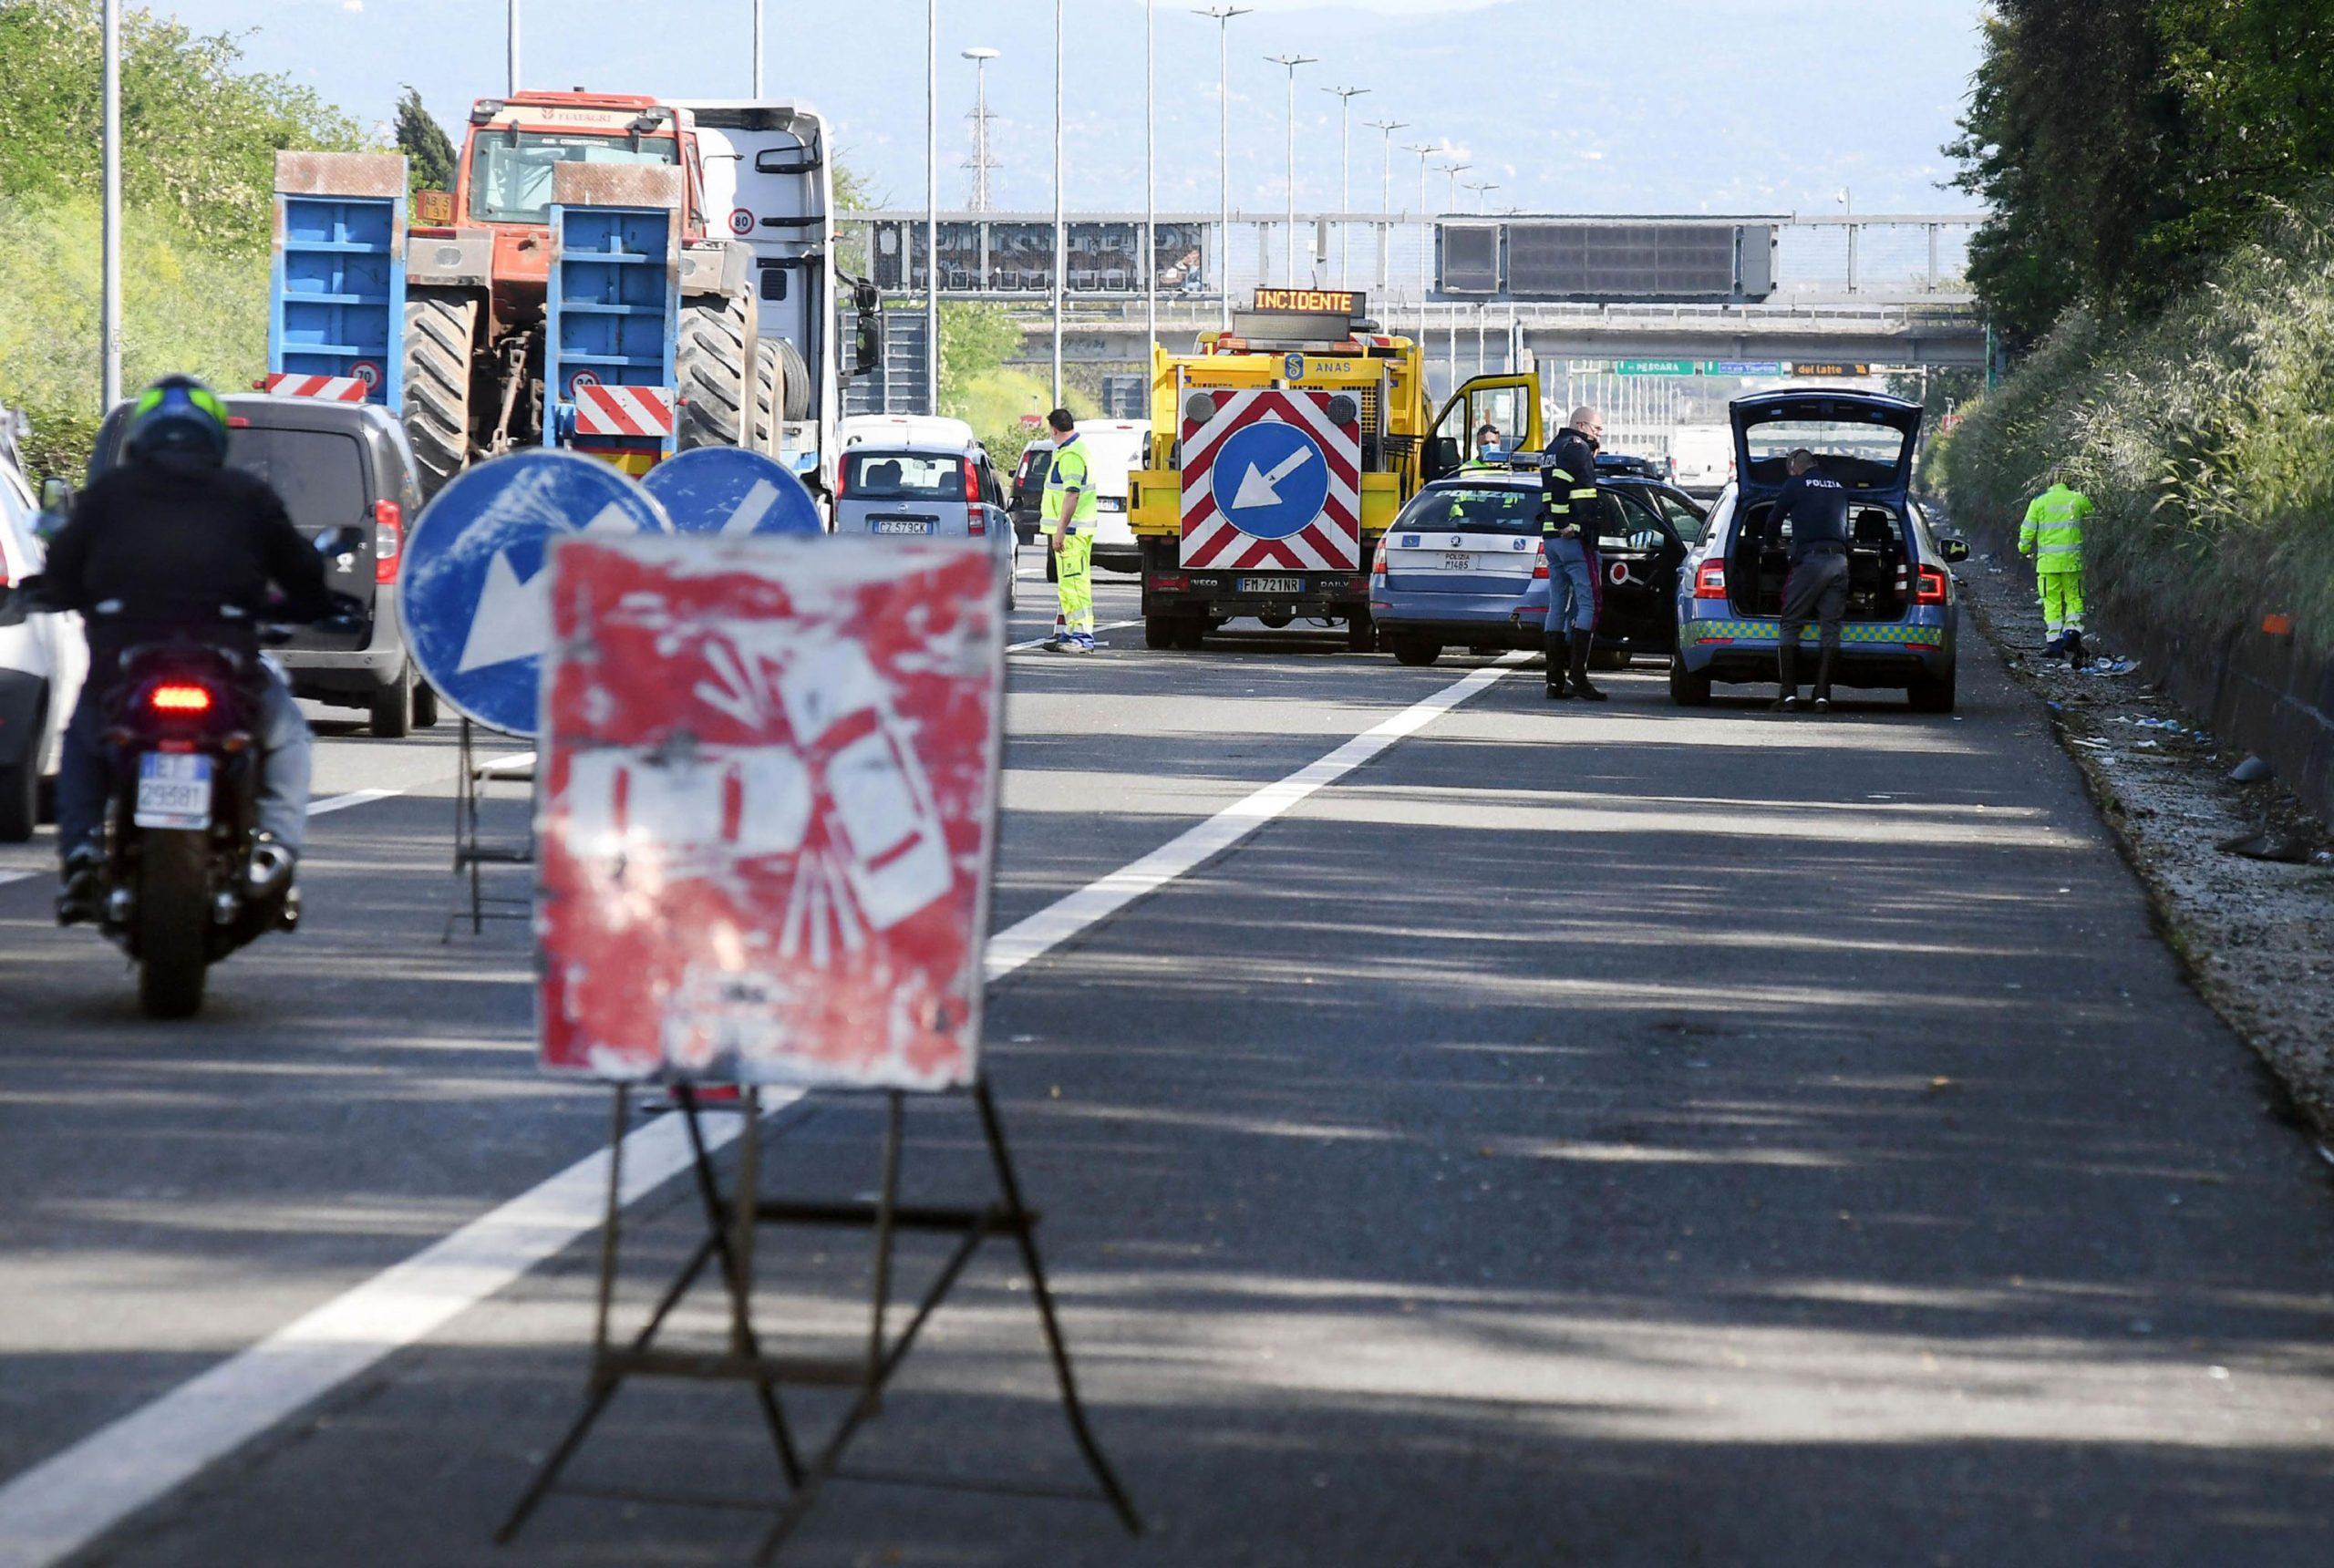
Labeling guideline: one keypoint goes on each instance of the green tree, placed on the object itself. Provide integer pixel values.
(198, 133)
(430, 152)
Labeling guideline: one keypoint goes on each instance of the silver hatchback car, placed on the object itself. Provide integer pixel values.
(911, 491)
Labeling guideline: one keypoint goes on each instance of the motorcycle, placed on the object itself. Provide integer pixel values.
(181, 888)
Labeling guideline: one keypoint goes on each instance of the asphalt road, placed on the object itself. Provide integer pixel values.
(1615, 1135)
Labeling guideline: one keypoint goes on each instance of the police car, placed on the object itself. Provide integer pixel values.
(1463, 566)
(1902, 625)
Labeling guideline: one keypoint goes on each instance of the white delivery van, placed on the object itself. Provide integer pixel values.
(905, 430)
(1703, 456)
(1113, 453)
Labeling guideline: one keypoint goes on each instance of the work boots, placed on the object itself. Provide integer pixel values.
(2075, 659)
(1553, 644)
(1787, 677)
(1823, 682)
(1581, 642)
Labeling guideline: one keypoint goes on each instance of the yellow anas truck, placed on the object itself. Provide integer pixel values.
(1280, 453)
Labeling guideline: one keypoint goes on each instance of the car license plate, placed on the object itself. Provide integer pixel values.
(1268, 585)
(173, 789)
(1458, 560)
(902, 525)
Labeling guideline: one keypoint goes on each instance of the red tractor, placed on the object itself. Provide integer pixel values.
(476, 272)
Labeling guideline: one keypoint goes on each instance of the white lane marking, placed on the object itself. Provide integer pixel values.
(1040, 641)
(7, 877)
(65, 1502)
(354, 797)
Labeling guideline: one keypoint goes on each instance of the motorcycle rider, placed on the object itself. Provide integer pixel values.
(173, 544)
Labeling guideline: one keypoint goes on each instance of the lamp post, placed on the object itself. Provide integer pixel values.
(757, 50)
(980, 56)
(1479, 187)
(1451, 186)
(1150, 190)
(1386, 199)
(932, 206)
(1425, 150)
(109, 242)
(1289, 239)
(510, 45)
(1345, 97)
(1221, 16)
(1061, 227)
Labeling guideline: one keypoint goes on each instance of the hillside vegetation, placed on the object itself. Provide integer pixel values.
(2161, 263)
(199, 137)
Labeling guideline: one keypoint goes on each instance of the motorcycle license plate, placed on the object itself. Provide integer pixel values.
(173, 789)
(1269, 585)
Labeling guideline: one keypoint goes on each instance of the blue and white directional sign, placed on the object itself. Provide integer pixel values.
(728, 489)
(1270, 480)
(475, 586)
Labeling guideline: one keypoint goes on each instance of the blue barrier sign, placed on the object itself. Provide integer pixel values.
(1270, 480)
(728, 489)
(474, 587)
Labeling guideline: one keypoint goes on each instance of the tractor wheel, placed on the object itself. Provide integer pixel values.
(711, 362)
(440, 330)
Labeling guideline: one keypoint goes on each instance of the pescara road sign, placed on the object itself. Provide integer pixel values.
(473, 584)
(1271, 477)
(769, 797)
(728, 489)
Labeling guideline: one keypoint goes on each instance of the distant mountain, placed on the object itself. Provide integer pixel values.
(1660, 105)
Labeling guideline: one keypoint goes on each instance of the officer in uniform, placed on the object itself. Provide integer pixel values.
(1067, 517)
(2053, 536)
(1570, 510)
(1815, 506)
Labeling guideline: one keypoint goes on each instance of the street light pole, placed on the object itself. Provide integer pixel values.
(1479, 187)
(1345, 97)
(1061, 227)
(510, 43)
(1289, 239)
(758, 51)
(1425, 150)
(1386, 201)
(932, 206)
(1150, 187)
(110, 243)
(980, 56)
(1221, 16)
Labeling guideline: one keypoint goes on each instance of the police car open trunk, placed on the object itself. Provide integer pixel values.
(1865, 441)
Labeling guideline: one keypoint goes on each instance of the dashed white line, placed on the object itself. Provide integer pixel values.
(67, 1500)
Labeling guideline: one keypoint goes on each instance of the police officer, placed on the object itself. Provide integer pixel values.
(1067, 517)
(1569, 514)
(2053, 536)
(1815, 506)
(171, 543)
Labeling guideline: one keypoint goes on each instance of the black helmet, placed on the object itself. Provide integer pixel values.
(179, 421)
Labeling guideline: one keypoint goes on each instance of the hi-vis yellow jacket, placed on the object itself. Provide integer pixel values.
(2053, 532)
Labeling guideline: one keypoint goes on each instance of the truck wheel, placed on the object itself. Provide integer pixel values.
(1932, 696)
(1158, 631)
(1415, 650)
(711, 364)
(770, 398)
(173, 920)
(1191, 634)
(440, 330)
(392, 707)
(1362, 634)
(425, 704)
(1687, 688)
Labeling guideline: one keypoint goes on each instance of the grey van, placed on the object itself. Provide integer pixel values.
(912, 490)
(334, 464)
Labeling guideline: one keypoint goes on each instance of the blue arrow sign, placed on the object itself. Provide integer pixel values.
(1269, 479)
(474, 586)
(728, 489)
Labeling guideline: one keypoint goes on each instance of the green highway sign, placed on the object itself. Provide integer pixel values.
(1657, 367)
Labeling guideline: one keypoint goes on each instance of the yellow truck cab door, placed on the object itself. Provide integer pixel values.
(1510, 403)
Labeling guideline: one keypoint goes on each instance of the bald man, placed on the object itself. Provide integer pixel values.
(1569, 514)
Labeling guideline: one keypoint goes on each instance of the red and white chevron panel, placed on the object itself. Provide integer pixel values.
(1331, 543)
(331, 389)
(603, 410)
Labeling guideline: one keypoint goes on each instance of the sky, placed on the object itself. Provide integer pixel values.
(1563, 105)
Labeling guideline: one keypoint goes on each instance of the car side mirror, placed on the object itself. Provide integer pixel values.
(56, 506)
(868, 350)
(341, 546)
(1955, 549)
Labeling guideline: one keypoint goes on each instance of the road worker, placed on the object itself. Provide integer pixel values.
(1067, 519)
(1570, 512)
(1815, 506)
(2053, 538)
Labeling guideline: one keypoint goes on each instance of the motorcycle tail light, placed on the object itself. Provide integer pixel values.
(177, 696)
(389, 540)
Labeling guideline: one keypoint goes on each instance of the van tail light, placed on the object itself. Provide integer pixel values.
(389, 540)
(1540, 564)
(972, 480)
(843, 479)
(1930, 587)
(177, 696)
(1709, 580)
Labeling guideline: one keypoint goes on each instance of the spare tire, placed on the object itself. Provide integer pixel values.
(797, 380)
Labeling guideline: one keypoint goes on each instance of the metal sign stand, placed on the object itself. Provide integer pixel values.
(730, 1223)
(472, 851)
